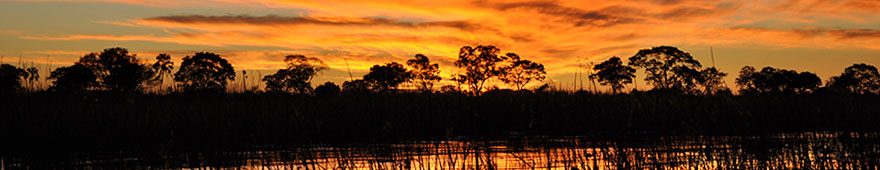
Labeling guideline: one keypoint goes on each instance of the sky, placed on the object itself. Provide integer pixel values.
(820, 36)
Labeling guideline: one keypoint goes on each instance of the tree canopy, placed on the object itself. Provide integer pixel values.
(297, 77)
(521, 71)
(858, 78)
(424, 73)
(775, 81)
(387, 77)
(614, 73)
(10, 78)
(480, 63)
(667, 67)
(76, 78)
(204, 71)
(120, 71)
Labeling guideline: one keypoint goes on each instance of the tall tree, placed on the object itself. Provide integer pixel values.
(521, 71)
(773, 81)
(297, 77)
(614, 73)
(76, 78)
(33, 76)
(480, 64)
(711, 80)
(162, 67)
(387, 77)
(10, 78)
(424, 72)
(120, 71)
(667, 67)
(204, 71)
(858, 78)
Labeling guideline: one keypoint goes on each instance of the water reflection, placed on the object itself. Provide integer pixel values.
(782, 151)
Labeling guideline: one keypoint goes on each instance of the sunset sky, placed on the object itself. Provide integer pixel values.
(820, 36)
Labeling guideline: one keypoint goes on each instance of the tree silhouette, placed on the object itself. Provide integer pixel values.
(10, 78)
(327, 89)
(120, 71)
(667, 67)
(520, 71)
(775, 81)
(480, 64)
(383, 78)
(424, 73)
(356, 86)
(76, 78)
(204, 71)
(858, 78)
(162, 67)
(33, 75)
(612, 72)
(711, 80)
(297, 77)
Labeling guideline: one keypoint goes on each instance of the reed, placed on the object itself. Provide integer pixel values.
(173, 122)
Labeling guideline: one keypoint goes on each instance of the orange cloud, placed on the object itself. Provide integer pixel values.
(556, 33)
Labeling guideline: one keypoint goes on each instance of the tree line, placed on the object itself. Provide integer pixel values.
(666, 68)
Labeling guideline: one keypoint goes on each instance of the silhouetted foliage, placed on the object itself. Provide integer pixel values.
(614, 73)
(667, 67)
(521, 71)
(204, 71)
(33, 75)
(10, 78)
(118, 70)
(775, 81)
(327, 89)
(711, 80)
(356, 86)
(297, 77)
(162, 67)
(383, 78)
(424, 73)
(76, 78)
(449, 89)
(480, 64)
(858, 78)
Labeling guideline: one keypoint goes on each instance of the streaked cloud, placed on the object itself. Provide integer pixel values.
(557, 33)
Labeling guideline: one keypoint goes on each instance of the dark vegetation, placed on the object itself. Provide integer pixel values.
(100, 102)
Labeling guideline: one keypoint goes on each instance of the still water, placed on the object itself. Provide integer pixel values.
(808, 150)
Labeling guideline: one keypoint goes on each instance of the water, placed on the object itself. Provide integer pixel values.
(808, 150)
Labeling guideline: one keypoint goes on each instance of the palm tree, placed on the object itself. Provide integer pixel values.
(163, 67)
(33, 76)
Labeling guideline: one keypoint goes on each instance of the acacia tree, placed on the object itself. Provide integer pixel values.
(858, 78)
(667, 67)
(204, 71)
(480, 64)
(297, 77)
(521, 71)
(614, 73)
(383, 78)
(162, 67)
(424, 73)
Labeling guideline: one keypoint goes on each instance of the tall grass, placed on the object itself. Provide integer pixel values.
(211, 121)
